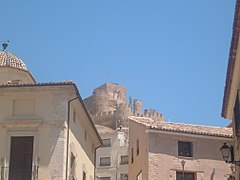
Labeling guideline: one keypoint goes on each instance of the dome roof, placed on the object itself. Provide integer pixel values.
(8, 59)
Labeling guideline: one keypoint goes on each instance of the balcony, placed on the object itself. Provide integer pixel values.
(19, 174)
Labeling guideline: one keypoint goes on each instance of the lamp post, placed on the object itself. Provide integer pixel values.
(226, 152)
(183, 164)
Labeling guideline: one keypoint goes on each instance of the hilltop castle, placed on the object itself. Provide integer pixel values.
(108, 106)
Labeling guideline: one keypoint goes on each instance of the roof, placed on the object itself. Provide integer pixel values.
(39, 84)
(8, 59)
(231, 58)
(62, 83)
(108, 85)
(183, 128)
(104, 130)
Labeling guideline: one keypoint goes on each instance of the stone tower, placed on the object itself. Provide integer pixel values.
(109, 107)
(107, 97)
(137, 106)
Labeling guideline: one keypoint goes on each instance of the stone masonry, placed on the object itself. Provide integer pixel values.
(109, 107)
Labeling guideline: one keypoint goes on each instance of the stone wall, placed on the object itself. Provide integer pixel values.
(158, 156)
(108, 106)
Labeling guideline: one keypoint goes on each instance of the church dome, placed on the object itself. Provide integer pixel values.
(13, 70)
(8, 59)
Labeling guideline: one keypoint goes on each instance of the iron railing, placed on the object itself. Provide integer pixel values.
(19, 173)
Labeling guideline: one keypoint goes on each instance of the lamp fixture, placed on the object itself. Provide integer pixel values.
(228, 154)
(183, 164)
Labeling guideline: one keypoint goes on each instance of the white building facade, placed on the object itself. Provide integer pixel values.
(112, 157)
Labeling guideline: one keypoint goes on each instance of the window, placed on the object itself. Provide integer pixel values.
(139, 176)
(123, 177)
(74, 116)
(106, 142)
(105, 161)
(187, 176)
(237, 116)
(72, 166)
(105, 178)
(137, 147)
(231, 177)
(84, 175)
(124, 159)
(132, 155)
(185, 149)
(85, 135)
(93, 149)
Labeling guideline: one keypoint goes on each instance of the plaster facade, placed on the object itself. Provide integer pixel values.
(116, 150)
(53, 116)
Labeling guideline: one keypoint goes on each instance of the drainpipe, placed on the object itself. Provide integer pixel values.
(68, 128)
(95, 162)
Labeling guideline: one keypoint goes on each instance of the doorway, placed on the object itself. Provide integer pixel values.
(21, 155)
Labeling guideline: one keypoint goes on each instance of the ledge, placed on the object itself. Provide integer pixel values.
(21, 122)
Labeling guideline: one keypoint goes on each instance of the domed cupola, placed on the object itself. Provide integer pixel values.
(13, 70)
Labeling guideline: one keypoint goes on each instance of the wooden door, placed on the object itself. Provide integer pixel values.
(21, 155)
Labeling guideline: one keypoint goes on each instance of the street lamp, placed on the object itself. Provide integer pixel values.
(183, 164)
(227, 153)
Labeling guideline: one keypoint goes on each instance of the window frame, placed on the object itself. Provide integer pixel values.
(186, 151)
(236, 114)
(122, 162)
(137, 147)
(179, 175)
(139, 176)
(105, 164)
(105, 178)
(132, 158)
(123, 176)
(72, 167)
(107, 144)
(74, 116)
(84, 175)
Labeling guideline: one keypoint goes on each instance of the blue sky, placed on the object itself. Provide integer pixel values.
(170, 54)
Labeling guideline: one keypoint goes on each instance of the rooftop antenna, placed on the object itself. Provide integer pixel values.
(5, 45)
(108, 74)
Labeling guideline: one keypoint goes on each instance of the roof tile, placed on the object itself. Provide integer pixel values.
(183, 128)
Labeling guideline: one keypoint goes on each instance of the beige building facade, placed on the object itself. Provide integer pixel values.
(112, 157)
(45, 130)
(168, 151)
(231, 101)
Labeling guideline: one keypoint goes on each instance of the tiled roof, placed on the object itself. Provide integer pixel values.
(8, 59)
(183, 128)
(231, 58)
(40, 84)
(61, 83)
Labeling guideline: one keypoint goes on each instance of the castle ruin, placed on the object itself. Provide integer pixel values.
(109, 107)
